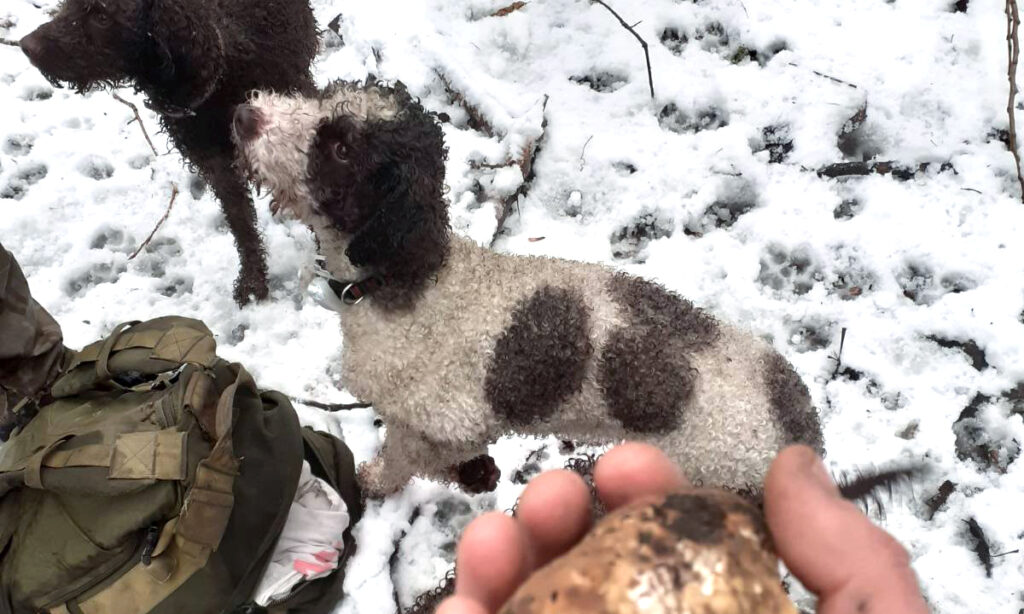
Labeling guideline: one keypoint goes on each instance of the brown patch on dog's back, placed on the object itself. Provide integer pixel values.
(644, 371)
(540, 360)
(651, 306)
(791, 403)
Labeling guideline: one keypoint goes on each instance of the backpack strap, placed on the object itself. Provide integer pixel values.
(138, 349)
(106, 347)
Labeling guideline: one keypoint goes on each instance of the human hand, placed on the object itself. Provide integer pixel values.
(835, 551)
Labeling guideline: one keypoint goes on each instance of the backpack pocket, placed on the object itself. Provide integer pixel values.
(62, 558)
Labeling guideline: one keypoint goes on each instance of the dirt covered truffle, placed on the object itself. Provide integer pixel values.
(696, 551)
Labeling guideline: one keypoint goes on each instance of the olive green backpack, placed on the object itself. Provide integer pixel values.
(157, 481)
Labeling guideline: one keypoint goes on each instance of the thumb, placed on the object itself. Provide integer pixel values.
(836, 552)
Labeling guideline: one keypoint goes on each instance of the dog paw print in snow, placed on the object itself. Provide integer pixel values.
(630, 240)
(849, 277)
(789, 271)
(601, 81)
(93, 275)
(921, 284)
(25, 176)
(680, 121)
(811, 333)
(735, 199)
(18, 144)
(95, 167)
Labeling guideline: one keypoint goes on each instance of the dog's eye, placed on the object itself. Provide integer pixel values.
(340, 151)
(100, 19)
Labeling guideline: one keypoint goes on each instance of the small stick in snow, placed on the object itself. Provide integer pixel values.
(330, 406)
(1012, 53)
(174, 194)
(508, 10)
(829, 77)
(981, 547)
(584, 152)
(4, 41)
(393, 559)
(839, 355)
(138, 118)
(939, 499)
(643, 43)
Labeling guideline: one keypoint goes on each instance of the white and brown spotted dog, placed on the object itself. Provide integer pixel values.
(456, 345)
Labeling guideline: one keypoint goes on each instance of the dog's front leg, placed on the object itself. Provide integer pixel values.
(233, 193)
(394, 465)
(407, 452)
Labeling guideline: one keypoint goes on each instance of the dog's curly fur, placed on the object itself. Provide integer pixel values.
(463, 344)
(194, 60)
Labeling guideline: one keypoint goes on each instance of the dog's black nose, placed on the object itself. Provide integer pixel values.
(32, 45)
(248, 122)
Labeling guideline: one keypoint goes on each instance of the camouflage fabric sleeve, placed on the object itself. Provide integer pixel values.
(31, 343)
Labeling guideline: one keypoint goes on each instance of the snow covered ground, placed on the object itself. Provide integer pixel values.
(711, 187)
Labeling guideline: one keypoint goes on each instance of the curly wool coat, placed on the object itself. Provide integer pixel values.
(195, 60)
(463, 344)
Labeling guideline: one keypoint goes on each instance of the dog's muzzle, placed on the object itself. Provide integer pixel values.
(248, 122)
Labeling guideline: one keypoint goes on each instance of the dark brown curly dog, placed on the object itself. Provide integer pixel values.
(194, 61)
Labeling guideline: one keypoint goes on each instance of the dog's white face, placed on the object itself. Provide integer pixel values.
(274, 133)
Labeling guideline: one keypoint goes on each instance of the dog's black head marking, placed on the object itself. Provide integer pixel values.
(382, 181)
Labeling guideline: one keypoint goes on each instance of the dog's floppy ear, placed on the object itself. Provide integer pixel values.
(406, 238)
(188, 45)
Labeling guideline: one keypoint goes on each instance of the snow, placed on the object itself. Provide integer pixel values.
(682, 189)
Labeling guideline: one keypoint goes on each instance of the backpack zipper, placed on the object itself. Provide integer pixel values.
(111, 569)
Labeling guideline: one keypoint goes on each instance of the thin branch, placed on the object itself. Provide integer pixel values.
(330, 406)
(839, 354)
(584, 152)
(174, 194)
(4, 41)
(508, 10)
(829, 77)
(137, 118)
(643, 43)
(1012, 54)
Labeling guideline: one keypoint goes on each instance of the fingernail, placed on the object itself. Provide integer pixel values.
(815, 469)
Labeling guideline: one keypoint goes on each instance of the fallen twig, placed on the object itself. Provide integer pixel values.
(474, 117)
(829, 77)
(174, 194)
(508, 10)
(939, 499)
(584, 151)
(527, 156)
(981, 545)
(839, 354)
(1012, 53)
(643, 43)
(393, 559)
(330, 406)
(138, 118)
(4, 41)
(883, 167)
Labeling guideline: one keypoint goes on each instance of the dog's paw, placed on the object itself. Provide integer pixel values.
(373, 481)
(478, 475)
(250, 287)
